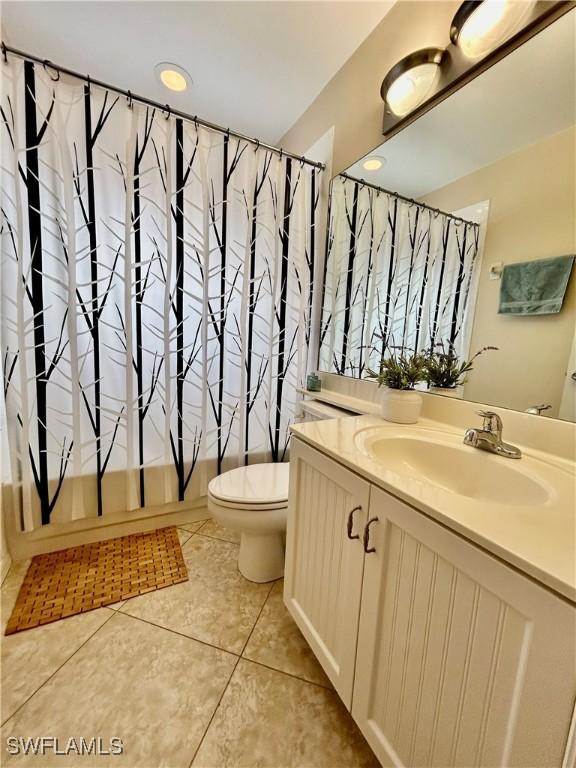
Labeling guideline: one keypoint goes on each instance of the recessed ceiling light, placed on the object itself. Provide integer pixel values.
(172, 76)
(479, 26)
(411, 81)
(373, 163)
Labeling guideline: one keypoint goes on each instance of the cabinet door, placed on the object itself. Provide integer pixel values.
(323, 575)
(462, 661)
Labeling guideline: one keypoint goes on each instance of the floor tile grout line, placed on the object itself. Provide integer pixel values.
(115, 611)
(199, 523)
(175, 632)
(239, 655)
(184, 530)
(275, 669)
(217, 647)
(212, 538)
(112, 614)
(328, 687)
(216, 538)
(216, 708)
(181, 634)
(231, 676)
(258, 617)
(7, 573)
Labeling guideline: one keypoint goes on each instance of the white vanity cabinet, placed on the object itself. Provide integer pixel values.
(325, 560)
(451, 657)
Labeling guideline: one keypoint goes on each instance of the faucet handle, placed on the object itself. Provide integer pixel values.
(492, 422)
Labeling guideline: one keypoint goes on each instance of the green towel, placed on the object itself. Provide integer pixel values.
(535, 287)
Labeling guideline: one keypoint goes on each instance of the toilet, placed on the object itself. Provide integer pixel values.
(253, 500)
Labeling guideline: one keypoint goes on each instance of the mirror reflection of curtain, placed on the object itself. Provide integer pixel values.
(156, 292)
(398, 275)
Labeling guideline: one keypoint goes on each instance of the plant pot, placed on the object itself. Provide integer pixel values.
(448, 391)
(402, 406)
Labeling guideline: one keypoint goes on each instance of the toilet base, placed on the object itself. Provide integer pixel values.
(261, 556)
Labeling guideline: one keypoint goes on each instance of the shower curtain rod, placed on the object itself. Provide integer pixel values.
(407, 199)
(47, 64)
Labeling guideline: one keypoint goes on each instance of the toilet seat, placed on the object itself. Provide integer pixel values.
(254, 487)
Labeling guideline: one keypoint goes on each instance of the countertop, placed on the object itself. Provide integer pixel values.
(538, 540)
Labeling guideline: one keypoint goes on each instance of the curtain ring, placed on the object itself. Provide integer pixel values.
(168, 112)
(129, 100)
(4, 54)
(257, 147)
(47, 63)
(281, 153)
(196, 121)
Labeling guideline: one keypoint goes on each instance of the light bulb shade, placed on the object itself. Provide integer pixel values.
(479, 26)
(412, 80)
(172, 76)
(372, 163)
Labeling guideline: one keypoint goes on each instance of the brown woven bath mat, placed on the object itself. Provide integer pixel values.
(79, 579)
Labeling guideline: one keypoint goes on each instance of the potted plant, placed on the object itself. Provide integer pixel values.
(399, 374)
(444, 372)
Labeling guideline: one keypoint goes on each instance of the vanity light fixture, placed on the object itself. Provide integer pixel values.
(373, 163)
(411, 80)
(479, 26)
(172, 76)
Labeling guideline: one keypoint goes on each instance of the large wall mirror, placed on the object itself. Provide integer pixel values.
(458, 233)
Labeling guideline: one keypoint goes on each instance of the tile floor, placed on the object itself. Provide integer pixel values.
(212, 673)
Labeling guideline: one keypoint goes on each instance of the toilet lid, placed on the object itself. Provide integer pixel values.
(256, 484)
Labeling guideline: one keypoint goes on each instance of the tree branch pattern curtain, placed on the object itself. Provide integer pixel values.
(397, 275)
(156, 294)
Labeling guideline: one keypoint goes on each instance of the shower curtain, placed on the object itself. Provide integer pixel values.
(398, 275)
(156, 293)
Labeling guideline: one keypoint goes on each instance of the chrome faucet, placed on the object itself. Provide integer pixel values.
(489, 438)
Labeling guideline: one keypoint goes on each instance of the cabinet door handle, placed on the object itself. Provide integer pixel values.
(368, 549)
(350, 523)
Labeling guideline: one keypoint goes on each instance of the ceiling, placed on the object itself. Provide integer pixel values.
(529, 95)
(255, 66)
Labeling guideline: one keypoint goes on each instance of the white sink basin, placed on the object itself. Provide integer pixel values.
(442, 460)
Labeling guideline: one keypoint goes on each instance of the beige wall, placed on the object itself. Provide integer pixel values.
(351, 101)
(532, 216)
